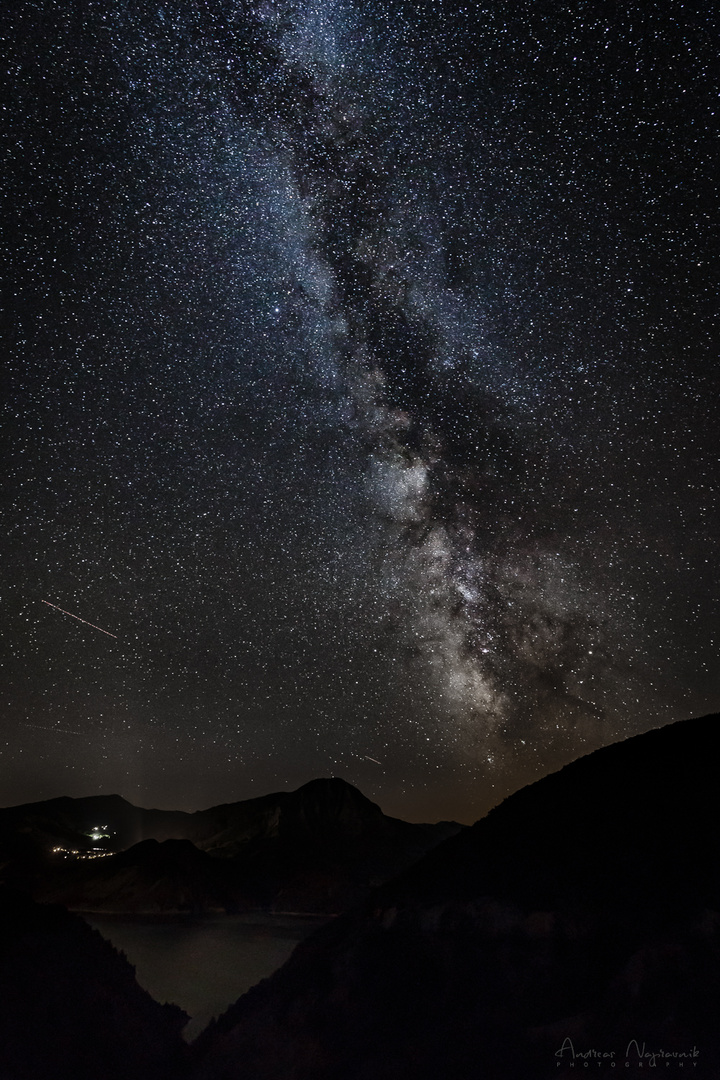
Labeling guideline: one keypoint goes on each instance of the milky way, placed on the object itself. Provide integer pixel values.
(362, 382)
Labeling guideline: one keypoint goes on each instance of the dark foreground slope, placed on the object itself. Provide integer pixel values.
(70, 1008)
(583, 914)
(321, 848)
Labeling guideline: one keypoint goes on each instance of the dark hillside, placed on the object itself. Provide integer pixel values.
(585, 908)
(71, 1008)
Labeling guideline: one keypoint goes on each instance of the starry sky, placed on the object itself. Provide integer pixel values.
(361, 382)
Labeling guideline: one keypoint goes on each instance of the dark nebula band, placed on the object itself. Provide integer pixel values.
(360, 380)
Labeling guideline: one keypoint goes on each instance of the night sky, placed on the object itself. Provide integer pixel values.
(362, 382)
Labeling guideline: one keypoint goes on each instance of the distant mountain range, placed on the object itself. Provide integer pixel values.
(574, 929)
(320, 848)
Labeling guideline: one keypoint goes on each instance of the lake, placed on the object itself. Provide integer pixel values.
(204, 963)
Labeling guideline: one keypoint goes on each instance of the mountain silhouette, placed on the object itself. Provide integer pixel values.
(320, 848)
(581, 915)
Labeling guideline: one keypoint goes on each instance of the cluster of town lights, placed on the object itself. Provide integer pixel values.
(96, 833)
(82, 854)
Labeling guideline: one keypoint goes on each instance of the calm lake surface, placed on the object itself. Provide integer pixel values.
(204, 964)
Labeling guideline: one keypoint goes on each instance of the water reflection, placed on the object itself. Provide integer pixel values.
(204, 963)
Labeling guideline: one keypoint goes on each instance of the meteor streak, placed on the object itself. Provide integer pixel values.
(62, 730)
(373, 759)
(78, 618)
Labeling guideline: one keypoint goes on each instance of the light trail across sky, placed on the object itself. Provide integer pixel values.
(78, 618)
(60, 730)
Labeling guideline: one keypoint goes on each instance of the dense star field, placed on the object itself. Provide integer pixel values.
(363, 370)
